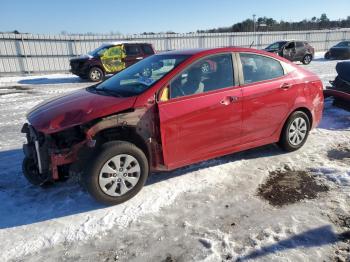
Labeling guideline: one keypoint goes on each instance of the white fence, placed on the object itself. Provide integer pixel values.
(32, 54)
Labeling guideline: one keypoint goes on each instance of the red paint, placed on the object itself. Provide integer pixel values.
(74, 109)
(201, 126)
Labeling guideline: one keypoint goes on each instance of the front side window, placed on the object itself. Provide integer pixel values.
(139, 77)
(259, 68)
(290, 45)
(112, 59)
(299, 44)
(276, 45)
(207, 74)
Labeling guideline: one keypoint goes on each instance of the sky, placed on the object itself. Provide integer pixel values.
(137, 16)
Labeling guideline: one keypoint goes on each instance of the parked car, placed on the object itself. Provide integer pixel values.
(109, 58)
(339, 51)
(340, 87)
(293, 50)
(164, 113)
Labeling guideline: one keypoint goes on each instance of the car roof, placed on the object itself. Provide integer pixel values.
(123, 42)
(204, 51)
(294, 40)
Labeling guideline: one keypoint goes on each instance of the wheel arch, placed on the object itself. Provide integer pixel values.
(303, 109)
(307, 112)
(123, 133)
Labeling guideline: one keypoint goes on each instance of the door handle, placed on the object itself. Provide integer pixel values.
(286, 86)
(139, 58)
(228, 100)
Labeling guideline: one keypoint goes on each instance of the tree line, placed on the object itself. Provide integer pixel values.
(263, 24)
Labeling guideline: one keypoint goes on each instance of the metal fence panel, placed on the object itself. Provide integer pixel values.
(31, 54)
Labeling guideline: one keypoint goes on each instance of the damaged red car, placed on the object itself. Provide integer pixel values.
(166, 112)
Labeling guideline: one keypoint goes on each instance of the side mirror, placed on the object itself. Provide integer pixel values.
(164, 94)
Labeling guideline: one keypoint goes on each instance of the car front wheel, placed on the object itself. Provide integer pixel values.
(295, 132)
(117, 173)
(96, 74)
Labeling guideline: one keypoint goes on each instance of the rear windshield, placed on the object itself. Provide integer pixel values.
(139, 77)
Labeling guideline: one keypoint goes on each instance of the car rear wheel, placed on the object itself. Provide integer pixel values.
(307, 59)
(295, 131)
(96, 74)
(117, 173)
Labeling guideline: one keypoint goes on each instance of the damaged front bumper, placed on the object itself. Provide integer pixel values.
(46, 156)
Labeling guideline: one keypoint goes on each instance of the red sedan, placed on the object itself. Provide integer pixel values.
(165, 112)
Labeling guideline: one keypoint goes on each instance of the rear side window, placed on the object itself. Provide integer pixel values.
(147, 49)
(259, 68)
(132, 50)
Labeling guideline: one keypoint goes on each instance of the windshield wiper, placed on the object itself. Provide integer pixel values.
(107, 91)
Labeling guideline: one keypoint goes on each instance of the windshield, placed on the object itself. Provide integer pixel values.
(99, 50)
(343, 44)
(276, 45)
(139, 77)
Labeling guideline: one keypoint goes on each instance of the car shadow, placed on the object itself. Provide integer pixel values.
(264, 151)
(312, 238)
(24, 204)
(334, 118)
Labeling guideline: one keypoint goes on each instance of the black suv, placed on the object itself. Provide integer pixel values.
(109, 58)
(293, 50)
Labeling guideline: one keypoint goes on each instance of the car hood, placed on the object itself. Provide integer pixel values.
(81, 57)
(74, 109)
(340, 48)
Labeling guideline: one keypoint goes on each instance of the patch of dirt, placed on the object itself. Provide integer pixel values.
(340, 153)
(169, 258)
(285, 187)
(16, 90)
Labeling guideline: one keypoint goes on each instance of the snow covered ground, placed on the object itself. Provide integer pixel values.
(206, 212)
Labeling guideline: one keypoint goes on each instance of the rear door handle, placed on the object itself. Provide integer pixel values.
(286, 86)
(228, 100)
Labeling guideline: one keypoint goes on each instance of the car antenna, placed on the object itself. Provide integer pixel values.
(251, 44)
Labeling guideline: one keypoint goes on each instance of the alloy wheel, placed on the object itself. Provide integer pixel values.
(119, 175)
(297, 131)
(95, 75)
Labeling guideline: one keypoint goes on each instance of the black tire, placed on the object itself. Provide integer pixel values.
(101, 157)
(327, 55)
(307, 59)
(285, 142)
(31, 172)
(96, 74)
